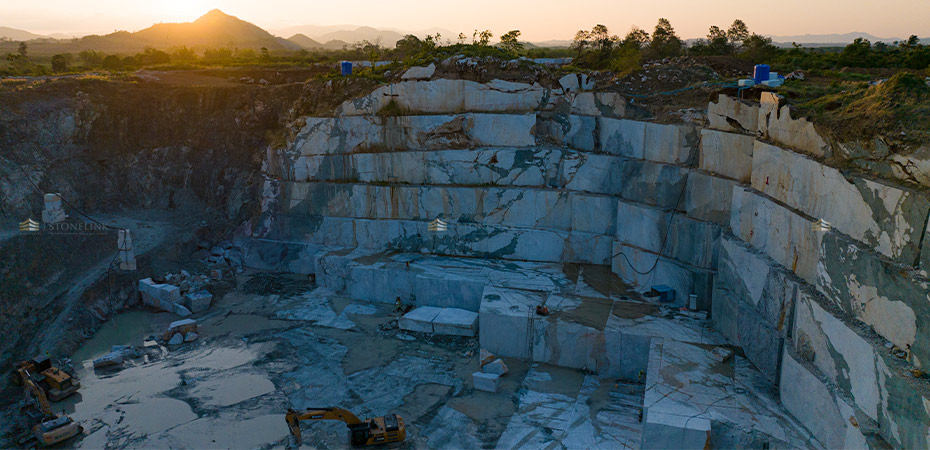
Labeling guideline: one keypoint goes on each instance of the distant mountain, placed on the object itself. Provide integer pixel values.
(384, 37)
(840, 39)
(304, 42)
(353, 33)
(554, 43)
(213, 29)
(18, 35)
(336, 44)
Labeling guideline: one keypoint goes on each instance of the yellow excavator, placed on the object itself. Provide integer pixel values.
(50, 428)
(56, 383)
(379, 430)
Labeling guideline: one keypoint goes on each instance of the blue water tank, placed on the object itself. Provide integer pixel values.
(347, 68)
(761, 73)
(666, 293)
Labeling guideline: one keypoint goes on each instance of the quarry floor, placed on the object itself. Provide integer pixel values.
(260, 353)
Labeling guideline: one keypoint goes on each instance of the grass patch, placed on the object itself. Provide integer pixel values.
(854, 109)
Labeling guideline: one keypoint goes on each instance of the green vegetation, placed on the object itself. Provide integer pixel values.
(598, 49)
(857, 108)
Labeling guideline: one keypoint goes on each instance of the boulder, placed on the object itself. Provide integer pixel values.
(496, 367)
(190, 336)
(419, 73)
(177, 339)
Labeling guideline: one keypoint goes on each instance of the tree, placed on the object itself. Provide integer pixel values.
(665, 42)
(409, 45)
(182, 54)
(462, 38)
(856, 54)
(265, 55)
(481, 38)
(758, 48)
(637, 37)
(112, 62)
(22, 49)
(151, 56)
(737, 33)
(510, 41)
(718, 42)
(91, 58)
(59, 63)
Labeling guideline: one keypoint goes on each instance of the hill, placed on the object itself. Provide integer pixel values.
(18, 35)
(831, 39)
(385, 37)
(213, 29)
(304, 42)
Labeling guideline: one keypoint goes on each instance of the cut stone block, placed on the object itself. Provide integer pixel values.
(180, 310)
(53, 216)
(622, 137)
(668, 143)
(790, 239)
(669, 431)
(456, 322)
(487, 382)
(708, 198)
(727, 154)
(674, 235)
(420, 319)
(198, 301)
(161, 296)
(826, 415)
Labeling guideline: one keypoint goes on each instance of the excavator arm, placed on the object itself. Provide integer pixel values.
(37, 393)
(295, 417)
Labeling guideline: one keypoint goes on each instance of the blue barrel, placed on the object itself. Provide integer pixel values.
(761, 73)
(347, 68)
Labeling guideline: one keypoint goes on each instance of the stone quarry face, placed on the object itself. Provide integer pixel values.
(534, 225)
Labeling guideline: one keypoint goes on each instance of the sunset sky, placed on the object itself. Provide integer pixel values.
(537, 19)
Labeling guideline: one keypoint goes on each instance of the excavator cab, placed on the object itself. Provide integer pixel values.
(56, 383)
(375, 431)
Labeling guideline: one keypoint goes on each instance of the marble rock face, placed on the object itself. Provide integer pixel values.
(885, 296)
(445, 96)
(727, 154)
(890, 220)
(729, 114)
(790, 239)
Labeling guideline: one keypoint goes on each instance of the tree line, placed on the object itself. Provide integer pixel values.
(595, 49)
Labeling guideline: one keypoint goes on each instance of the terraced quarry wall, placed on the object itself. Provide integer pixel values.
(818, 276)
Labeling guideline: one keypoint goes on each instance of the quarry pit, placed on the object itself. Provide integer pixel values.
(725, 277)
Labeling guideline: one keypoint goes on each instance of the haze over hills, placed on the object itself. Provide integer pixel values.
(18, 35)
(217, 29)
(212, 30)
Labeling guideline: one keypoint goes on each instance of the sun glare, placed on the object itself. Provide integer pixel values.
(179, 10)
